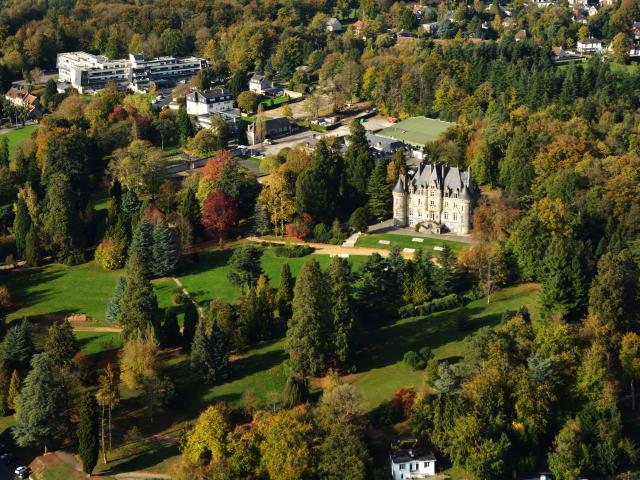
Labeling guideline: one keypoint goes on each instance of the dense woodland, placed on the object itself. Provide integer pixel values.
(561, 145)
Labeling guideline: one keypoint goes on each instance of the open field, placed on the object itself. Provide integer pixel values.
(97, 342)
(206, 274)
(404, 241)
(381, 371)
(416, 131)
(55, 291)
(17, 135)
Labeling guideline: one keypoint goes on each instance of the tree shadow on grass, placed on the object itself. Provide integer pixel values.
(23, 285)
(201, 262)
(387, 344)
(252, 364)
(151, 454)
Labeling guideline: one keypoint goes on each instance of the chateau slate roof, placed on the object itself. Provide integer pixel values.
(443, 176)
(400, 187)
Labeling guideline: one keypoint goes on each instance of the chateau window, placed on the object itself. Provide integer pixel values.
(455, 217)
(402, 466)
(455, 195)
(462, 208)
(446, 216)
(426, 464)
(432, 203)
(446, 204)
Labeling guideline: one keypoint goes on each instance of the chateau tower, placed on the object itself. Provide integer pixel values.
(400, 202)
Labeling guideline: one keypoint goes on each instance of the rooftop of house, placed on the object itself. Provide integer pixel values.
(24, 95)
(258, 78)
(589, 41)
(209, 94)
(404, 455)
(384, 144)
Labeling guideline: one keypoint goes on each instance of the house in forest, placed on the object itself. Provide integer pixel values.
(23, 98)
(333, 25)
(435, 197)
(410, 462)
(260, 84)
(590, 45)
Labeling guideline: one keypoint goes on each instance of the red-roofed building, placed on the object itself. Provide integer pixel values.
(22, 98)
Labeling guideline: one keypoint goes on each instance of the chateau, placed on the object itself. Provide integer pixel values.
(436, 197)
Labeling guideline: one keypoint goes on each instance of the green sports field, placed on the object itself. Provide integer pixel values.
(416, 131)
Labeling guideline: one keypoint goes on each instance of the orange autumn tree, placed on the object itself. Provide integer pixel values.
(211, 174)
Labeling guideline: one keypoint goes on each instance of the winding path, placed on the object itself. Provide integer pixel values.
(188, 295)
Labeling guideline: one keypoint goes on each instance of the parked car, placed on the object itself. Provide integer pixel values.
(268, 141)
(22, 472)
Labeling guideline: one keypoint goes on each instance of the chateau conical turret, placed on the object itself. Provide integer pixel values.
(400, 202)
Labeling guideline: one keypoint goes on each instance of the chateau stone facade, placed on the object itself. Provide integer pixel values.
(436, 197)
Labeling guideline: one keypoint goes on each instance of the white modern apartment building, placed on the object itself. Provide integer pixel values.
(87, 72)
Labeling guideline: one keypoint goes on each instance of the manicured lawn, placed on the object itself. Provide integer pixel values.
(404, 241)
(261, 373)
(97, 342)
(274, 102)
(381, 371)
(17, 135)
(206, 276)
(59, 290)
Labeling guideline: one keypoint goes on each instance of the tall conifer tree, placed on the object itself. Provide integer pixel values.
(88, 445)
(138, 304)
(308, 335)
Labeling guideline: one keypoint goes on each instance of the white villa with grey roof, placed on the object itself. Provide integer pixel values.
(435, 197)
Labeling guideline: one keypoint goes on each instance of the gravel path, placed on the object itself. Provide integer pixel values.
(333, 250)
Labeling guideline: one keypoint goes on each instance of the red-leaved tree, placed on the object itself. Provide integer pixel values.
(219, 215)
(215, 165)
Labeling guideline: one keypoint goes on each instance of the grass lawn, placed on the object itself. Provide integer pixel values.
(17, 135)
(55, 290)
(382, 370)
(59, 290)
(274, 102)
(206, 275)
(404, 241)
(60, 471)
(92, 343)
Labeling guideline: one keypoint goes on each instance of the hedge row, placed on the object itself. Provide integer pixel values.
(447, 302)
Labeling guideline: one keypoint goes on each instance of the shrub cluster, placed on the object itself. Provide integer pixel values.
(292, 251)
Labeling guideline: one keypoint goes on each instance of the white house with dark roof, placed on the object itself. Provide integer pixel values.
(260, 84)
(435, 197)
(412, 463)
(590, 45)
(208, 102)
